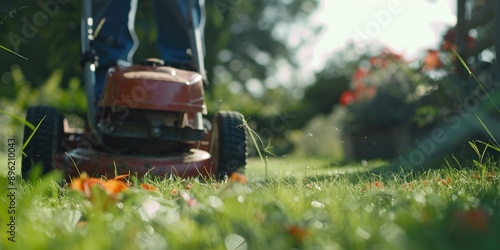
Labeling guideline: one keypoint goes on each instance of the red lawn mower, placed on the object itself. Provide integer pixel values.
(149, 120)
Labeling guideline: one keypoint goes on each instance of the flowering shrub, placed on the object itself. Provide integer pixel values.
(384, 92)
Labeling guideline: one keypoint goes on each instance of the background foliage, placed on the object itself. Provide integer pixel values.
(248, 44)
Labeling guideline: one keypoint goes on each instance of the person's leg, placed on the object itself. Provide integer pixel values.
(116, 40)
(173, 34)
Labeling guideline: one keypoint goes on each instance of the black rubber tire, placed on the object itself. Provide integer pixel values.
(44, 144)
(228, 144)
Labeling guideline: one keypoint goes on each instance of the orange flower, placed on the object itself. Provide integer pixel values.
(113, 187)
(444, 182)
(84, 184)
(375, 184)
(490, 176)
(237, 177)
(122, 178)
(408, 185)
(189, 186)
(148, 187)
(174, 191)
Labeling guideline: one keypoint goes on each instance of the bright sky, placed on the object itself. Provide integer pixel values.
(407, 27)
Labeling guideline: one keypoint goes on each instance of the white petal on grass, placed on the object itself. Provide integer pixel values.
(144, 240)
(172, 216)
(317, 204)
(241, 199)
(419, 198)
(391, 232)
(235, 242)
(363, 233)
(149, 209)
(118, 224)
(215, 202)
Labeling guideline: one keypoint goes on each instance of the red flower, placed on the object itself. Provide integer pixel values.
(358, 77)
(449, 40)
(474, 220)
(346, 98)
(432, 60)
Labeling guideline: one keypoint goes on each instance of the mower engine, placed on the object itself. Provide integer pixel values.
(151, 108)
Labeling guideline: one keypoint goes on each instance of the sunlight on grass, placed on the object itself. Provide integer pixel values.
(451, 209)
(301, 168)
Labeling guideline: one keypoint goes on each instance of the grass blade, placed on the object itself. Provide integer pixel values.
(15, 117)
(32, 134)
(2, 47)
(487, 130)
(475, 78)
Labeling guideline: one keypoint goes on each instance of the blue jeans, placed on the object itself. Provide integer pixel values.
(117, 40)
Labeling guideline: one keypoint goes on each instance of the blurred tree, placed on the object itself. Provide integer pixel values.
(243, 38)
(321, 97)
(247, 43)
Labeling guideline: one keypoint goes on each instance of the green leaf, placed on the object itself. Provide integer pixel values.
(474, 147)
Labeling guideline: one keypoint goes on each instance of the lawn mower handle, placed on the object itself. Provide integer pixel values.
(195, 36)
(89, 63)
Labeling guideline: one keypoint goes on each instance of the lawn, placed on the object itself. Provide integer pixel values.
(304, 204)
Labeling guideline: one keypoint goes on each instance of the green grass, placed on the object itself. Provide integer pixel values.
(305, 204)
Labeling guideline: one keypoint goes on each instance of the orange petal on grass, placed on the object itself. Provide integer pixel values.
(444, 182)
(148, 187)
(297, 233)
(237, 177)
(121, 177)
(114, 187)
(375, 184)
(174, 192)
(84, 184)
